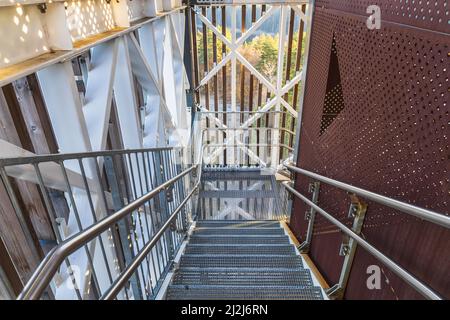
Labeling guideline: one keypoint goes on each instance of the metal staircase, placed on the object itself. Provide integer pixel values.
(178, 239)
(248, 260)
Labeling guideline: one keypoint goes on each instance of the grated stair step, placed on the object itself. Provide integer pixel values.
(237, 224)
(239, 231)
(240, 261)
(268, 249)
(240, 277)
(205, 239)
(184, 292)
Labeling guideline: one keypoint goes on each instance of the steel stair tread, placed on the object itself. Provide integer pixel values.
(238, 231)
(250, 260)
(205, 249)
(239, 240)
(234, 276)
(255, 261)
(220, 292)
(237, 224)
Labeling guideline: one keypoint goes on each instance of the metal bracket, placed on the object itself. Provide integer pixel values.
(303, 247)
(336, 292)
(173, 225)
(307, 215)
(345, 246)
(357, 211)
(310, 216)
(312, 187)
(169, 193)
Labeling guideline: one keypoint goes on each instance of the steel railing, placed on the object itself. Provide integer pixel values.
(47, 269)
(434, 217)
(237, 124)
(141, 168)
(247, 152)
(146, 190)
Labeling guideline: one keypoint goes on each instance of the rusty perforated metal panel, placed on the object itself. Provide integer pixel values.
(390, 137)
(425, 14)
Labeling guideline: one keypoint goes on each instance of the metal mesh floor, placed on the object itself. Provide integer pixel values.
(241, 261)
(203, 239)
(182, 292)
(232, 261)
(239, 231)
(238, 277)
(241, 249)
(237, 224)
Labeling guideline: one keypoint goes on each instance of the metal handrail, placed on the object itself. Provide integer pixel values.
(425, 214)
(119, 283)
(402, 273)
(249, 129)
(49, 266)
(241, 112)
(250, 145)
(74, 156)
(418, 212)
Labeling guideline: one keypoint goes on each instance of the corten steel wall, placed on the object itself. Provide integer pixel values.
(391, 137)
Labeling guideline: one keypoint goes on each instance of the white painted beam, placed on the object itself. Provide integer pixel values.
(99, 91)
(220, 36)
(57, 30)
(61, 97)
(124, 93)
(281, 48)
(256, 26)
(121, 13)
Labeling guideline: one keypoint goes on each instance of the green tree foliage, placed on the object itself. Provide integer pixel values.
(261, 52)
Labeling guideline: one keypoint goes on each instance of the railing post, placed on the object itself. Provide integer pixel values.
(310, 216)
(124, 225)
(357, 210)
(163, 200)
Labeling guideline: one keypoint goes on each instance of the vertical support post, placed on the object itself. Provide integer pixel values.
(123, 225)
(308, 30)
(160, 179)
(188, 54)
(231, 135)
(224, 83)
(58, 87)
(276, 133)
(125, 98)
(357, 210)
(310, 216)
(297, 70)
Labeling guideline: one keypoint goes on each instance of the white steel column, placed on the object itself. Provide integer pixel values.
(276, 133)
(231, 135)
(65, 111)
(124, 94)
(99, 92)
